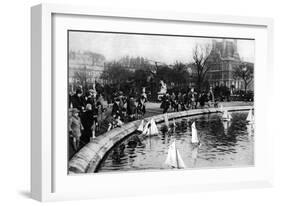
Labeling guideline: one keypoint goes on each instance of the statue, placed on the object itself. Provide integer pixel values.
(163, 90)
(143, 93)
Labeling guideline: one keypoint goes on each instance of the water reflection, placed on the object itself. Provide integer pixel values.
(222, 144)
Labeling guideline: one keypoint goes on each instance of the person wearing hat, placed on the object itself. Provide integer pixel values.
(78, 101)
(91, 98)
(75, 128)
(141, 105)
(116, 108)
(131, 107)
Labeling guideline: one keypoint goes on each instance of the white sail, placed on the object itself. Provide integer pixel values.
(194, 134)
(174, 123)
(166, 119)
(141, 127)
(229, 116)
(150, 128)
(153, 130)
(174, 158)
(171, 157)
(226, 115)
(180, 162)
(145, 128)
(250, 116)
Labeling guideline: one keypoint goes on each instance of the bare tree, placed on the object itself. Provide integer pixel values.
(201, 54)
(244, 72)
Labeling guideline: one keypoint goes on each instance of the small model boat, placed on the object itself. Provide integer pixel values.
(150, 128)
(174, 159)
(194, 134)
(250, 117)
(226, 116)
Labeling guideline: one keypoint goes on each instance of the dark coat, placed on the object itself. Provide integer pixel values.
(87, 120)
(116, 110)
(78, 102)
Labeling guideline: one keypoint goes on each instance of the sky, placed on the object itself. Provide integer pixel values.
(166, 49)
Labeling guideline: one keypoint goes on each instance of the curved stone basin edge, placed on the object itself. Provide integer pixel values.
(89, 157)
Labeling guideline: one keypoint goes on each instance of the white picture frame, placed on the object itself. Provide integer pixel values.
(49, 180)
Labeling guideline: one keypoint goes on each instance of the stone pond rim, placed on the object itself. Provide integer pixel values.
(90, 156)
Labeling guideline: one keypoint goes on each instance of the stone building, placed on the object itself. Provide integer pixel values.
(85, 68)
(224, 57)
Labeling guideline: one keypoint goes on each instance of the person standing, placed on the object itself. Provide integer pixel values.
(99, 116)
(75, 128)
(141, 105)
(78, 101)
(88, 122)
(165, 103)
(211, 97)
(116, 109)
(193, 98)
(91, 99)
(131, 107)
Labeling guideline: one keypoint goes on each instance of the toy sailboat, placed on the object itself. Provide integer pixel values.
(226, 116)
(174, 159)
(194, 134)
(250, 117)
(150, 128)
(141, 127)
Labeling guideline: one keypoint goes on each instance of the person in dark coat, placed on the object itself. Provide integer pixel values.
(88, 123)
(116, 110)
(202, 99)
(91, 98)
(131, 107)
(141, 105)
(78, 101)
(165, 103)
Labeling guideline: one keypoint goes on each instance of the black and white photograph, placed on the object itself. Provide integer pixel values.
(150, 102)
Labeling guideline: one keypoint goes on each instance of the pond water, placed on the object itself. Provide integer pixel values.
(223, 144)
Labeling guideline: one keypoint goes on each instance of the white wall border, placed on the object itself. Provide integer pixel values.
(42, 177)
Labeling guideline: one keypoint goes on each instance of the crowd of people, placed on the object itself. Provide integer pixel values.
(90, 114)
(181, 101)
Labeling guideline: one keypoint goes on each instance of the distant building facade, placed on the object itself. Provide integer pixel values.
(223, 59)
(85, 68)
